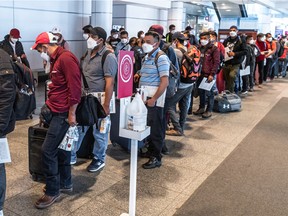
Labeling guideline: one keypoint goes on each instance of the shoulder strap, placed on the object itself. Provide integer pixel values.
(106, 53)
(157, 57)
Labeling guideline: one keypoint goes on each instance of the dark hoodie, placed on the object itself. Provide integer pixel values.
(239, 49)
(211, 59)
(5, 45)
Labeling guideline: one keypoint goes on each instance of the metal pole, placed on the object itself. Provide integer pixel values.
(133, 177)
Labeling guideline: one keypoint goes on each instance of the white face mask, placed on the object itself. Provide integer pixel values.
(204, 42)
(185, 43)
(269, 39)
(91, 43)
(262, 39)
(115, 36)
(45, 56)
(173, 31)
(142, 35)
(251, 42)
(233, 33)
(124, 40)
(147, 48)
(14, 40)
(85, 36)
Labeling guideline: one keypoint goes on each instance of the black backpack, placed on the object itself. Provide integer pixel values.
(281, 50)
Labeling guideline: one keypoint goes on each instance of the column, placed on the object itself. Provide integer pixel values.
(175, 15)
(102, 14)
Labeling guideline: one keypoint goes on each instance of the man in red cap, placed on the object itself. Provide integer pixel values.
(13, 46)
(63, 97)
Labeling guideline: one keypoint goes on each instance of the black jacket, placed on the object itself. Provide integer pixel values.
(239, 48)
(5, 45)
(7, 94)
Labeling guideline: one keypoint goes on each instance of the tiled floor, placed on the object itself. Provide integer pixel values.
(160, 191)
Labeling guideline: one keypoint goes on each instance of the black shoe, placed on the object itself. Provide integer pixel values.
(165, 150)
(146, 154)
(152, 163)
(206, 114)
(200, 111)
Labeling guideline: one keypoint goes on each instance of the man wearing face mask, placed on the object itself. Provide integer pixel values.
(155, 78)
(99, 79)
(191, 34)
(235, 51)
(254, 52)
(113, 39)
(124, 43)
(60, 39)
(261, 44)
(170, 33)
(63, 97)
(210, 57)
(13, 46)
(270, 58)
(183, 93)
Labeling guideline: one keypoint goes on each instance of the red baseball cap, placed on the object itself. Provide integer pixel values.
(158, 29)
(44, 38)
(15, 33)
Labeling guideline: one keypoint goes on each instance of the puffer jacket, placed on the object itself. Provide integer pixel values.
(239, 49)
(7, 94)
(19, 50)
(210, 55)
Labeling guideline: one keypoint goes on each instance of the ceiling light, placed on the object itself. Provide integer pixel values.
(228, 10)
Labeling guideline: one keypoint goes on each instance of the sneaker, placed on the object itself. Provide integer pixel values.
(152, 163)
(200, 111)
(95, 165)
(206, 114)
(251, 90)
(73, 162)
(1, 213)
(174, 133)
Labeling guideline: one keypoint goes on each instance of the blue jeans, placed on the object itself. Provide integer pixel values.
(55, 161)
(210, 98)
(283, 67)
(2, 185)
(183, 96)
(100, 143)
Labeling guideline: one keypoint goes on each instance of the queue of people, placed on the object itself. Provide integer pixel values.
(193, 59)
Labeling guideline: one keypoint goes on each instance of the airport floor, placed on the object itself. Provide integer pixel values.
(161, 191)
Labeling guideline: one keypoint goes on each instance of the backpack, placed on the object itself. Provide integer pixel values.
(173, 76)
(191, 66)
(281, 50)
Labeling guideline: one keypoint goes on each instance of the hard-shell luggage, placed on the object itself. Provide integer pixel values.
(227, 102)
(36, 137)
(115, 139)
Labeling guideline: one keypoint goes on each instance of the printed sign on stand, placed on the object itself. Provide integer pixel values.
(125, 73)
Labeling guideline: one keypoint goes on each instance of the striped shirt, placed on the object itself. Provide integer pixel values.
(150, 75)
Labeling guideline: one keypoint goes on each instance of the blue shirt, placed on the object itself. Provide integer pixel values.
(150, 74)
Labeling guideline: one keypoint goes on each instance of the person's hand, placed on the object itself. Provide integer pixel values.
(136, 78)
(106, 109)
(150, 102)
(210, 78)
(230, 54)
(72, 119)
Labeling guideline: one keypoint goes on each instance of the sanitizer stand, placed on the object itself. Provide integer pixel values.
(135, 136)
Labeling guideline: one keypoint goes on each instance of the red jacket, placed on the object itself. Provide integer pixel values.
(262, 47)
(65, 89)
(211, 59)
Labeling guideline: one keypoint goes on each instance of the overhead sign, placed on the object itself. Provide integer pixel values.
(125, 73)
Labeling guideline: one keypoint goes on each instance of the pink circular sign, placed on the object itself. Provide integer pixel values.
(126, 69)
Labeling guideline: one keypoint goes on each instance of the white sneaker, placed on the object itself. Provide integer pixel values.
(1, 213)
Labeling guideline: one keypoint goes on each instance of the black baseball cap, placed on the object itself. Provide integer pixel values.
(233, 26)
(179, 35)
(99, 31)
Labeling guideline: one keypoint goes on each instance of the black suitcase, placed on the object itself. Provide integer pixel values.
(115, 139)
(36, 137)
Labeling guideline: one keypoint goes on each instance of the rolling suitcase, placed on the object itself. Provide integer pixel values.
(36, 137)
(227, 102)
